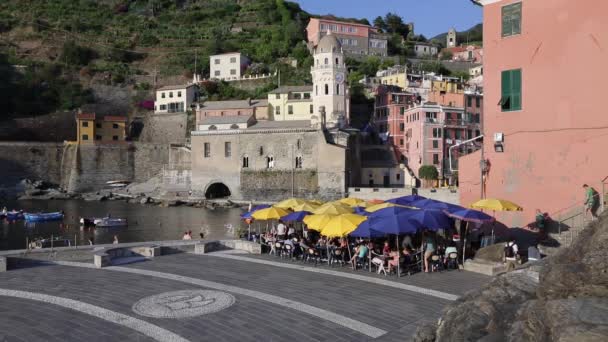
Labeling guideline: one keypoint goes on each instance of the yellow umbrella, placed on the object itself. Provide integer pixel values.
(333, 209)
(317, 202)
(306, 207)
(364, 204)
(316, 222)
(342, 225)
(290, 203)
(351, 201)
(496, 205)
(377, 207)
(271, 213)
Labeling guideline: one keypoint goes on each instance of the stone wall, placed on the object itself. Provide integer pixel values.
(78, 169)
(276, 185)
(165, 128)
(19, 160)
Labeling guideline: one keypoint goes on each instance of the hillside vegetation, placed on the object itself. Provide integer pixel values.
(474, 35)
(137, 42)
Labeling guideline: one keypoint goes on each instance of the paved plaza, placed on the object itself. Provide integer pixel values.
(219, 297)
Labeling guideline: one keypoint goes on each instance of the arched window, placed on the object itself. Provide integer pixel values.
(270, 162)
(213, 128)
(326, 61)
(337, 89)
(234, 126)
(298, 162)
(299, 144)
(326, 89)
(245, 161)
(337, 61)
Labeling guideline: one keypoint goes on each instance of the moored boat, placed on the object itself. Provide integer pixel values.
(13, 215)
(109, 222)
(40, 217)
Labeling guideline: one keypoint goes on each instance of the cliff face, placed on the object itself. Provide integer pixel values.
(561, 298)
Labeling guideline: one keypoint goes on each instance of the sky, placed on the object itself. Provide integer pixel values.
(430, 17)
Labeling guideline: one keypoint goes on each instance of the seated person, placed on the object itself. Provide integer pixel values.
(360, 254)
(393, 262)
(386, 249)
(450, 249)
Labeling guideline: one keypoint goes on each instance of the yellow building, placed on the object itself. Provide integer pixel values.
(398, 79)
(448, 85)
(290, 103)
(92, 128)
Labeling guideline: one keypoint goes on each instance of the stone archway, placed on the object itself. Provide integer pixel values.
(217, 190)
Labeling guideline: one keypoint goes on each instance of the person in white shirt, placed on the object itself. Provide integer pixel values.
(290, 231)
(281, 230)
(510, 255)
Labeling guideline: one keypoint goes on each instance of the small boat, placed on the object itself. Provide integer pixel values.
(14, 215)
(109, 222)
(41, 217)
(87, 222)
(118, 183)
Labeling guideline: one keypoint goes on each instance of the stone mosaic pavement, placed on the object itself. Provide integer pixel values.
(219, 297)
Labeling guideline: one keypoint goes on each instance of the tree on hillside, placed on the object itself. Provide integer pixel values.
(379, 23)
(395, 24)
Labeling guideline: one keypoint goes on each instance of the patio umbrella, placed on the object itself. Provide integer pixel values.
(469, 215)
(430, 204)
(306, 207)
(296, 216)
(333, 209)
(376, 201)
(495, 204)
(351, 201)
(271, 213)
(317, 202)
(430, 219)
(364, 230)
(317, 222)
(361, 211)
(290, 203)
(380, 206)
(248, 214)
(341, 225)
(406, 200)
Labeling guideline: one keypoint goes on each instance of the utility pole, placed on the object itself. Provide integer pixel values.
(483, 166)
(195, 61)
(293, 171)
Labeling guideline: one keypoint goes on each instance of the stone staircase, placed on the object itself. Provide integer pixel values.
(564, 229)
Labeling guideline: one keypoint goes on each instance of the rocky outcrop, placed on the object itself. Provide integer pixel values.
(561, 298)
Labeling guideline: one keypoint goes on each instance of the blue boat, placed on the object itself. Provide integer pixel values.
(41, 217)
(13, 215)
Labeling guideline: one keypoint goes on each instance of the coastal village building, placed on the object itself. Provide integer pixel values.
(228, 66)
(291, 103)
(258, 108)
(447, 91)
(92, 128)
(451, 38)
(391, 103)
(175, 99)
(394, 76)
(425, 50)
(303, 154)
(356, 39)
(470, 53)
(544, 138)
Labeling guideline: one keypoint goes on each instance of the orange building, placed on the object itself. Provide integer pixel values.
(94, 129)
(545, 126)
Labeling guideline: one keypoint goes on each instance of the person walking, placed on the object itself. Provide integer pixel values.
(115, 241)
(591, 201)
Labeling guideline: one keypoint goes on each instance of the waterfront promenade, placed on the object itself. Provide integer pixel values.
(222, 296)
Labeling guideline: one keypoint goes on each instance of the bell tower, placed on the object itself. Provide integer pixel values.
(330, 89)
(451, 38)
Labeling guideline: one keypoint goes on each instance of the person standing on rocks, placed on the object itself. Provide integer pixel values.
(510, 255)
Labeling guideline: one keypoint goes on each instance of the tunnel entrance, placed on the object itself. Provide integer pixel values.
(217, 190)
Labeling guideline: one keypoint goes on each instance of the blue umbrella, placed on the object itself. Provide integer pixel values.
(361, 211)
(406, 200)
(470, 215)
(364, 230)
(431, 204)
(393, 220)
(297, 216)
(247, 215)
(430, 219)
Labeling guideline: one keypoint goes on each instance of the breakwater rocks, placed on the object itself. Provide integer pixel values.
(40, 190)
(561, 298)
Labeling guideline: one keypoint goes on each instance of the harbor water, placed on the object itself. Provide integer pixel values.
(146, 222)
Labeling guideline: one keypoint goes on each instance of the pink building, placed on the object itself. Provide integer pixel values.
(470, 53)
(356, 39)
(257, 108)
(421, 134)
(545, 125)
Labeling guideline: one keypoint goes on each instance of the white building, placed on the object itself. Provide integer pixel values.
(425, 50)
(228, 66)
(330, 88)
(175, 99)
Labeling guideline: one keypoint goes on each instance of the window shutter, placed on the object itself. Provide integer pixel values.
(505, 88)
(506, 22)
(516, 89)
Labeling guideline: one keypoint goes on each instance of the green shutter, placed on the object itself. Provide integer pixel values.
(511, 19)
(505, 89)
(516, 89)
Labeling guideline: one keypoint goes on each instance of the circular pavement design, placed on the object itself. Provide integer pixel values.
(182, 304)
